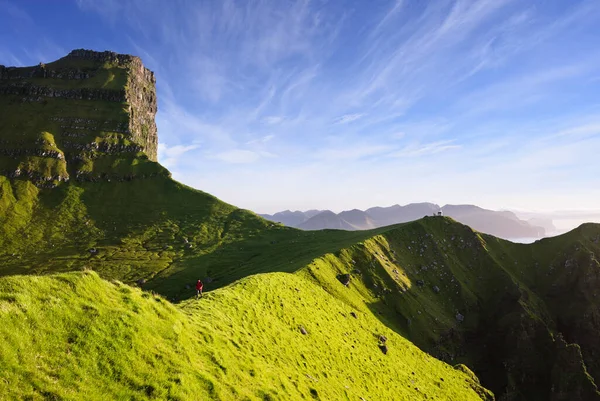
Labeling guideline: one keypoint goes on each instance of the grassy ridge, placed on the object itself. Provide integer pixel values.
(462, 297)
(450, 290)
(153, 229)
(139, 225)
(73, 335)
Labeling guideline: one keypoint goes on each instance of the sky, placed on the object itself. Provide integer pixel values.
(342, 104)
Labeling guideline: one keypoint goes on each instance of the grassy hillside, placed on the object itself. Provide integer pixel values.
(75, 335)
(459, 295)
(465, 298)
(147, 229)
(83, 210)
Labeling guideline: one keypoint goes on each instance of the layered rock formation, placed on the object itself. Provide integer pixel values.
(78, 118)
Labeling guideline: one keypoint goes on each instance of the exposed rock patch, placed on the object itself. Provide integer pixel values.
(95, 104)
(344, 279)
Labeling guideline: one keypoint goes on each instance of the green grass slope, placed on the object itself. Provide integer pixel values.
(155, 230)
(468, 298)
(77, 193)
(75, 336)
(461, 296)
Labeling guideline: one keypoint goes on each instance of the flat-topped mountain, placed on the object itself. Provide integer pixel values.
(499, 223)
(88, 116)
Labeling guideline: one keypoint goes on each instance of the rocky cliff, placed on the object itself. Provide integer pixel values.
(87, 116)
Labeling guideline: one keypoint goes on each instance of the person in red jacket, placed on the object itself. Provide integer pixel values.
(199, 287)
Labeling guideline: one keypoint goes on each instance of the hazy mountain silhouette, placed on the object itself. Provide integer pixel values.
(503, 224)
(400, 214)
(288, 218)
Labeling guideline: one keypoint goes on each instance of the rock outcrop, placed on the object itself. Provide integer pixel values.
(97, 106)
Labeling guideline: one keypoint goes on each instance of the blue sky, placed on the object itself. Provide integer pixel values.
(285, 104)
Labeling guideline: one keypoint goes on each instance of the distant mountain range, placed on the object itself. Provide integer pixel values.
(504, 224)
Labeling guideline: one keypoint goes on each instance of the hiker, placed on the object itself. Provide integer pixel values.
(199, 286)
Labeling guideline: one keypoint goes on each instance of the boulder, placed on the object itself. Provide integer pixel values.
(344, 279)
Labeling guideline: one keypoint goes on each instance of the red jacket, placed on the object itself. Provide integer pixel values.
(199, 285)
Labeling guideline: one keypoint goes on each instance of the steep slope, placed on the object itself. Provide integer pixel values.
(109, 207)
(291, 219)
(312, 212)
(500, 224)
(88, 116)
(358, 219)
(79, 185)
(326, 220)
(287, 217)
(488, 303)
(74, 335)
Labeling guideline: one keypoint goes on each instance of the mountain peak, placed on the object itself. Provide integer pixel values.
(87, 116)
(101, 56)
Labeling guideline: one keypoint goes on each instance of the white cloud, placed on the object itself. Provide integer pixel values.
(348, 118)
(355, 152)
(581, 131)
(273, 120)
(175, 120)
(389, 15)
(416, 149)
(170, 155)
(262, 140)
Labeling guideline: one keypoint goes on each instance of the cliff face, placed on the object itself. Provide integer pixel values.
(87, 116)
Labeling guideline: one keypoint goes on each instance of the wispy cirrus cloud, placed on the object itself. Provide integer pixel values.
(586, 130)
(17, 14)
(262, 140)
(272, 120)
(417, 149)
(334, 91)
(352, 152)
(348, 118)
